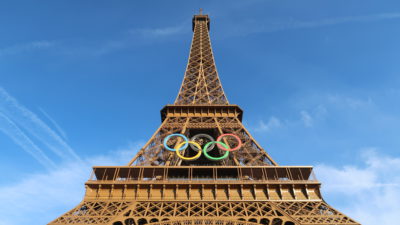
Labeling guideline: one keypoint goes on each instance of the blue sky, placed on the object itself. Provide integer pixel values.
(82, 83)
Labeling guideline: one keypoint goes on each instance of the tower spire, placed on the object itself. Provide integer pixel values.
(201, 83)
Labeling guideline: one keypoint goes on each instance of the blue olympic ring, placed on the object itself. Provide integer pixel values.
(179, 135)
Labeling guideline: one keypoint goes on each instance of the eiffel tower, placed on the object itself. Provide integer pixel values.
(202, 166)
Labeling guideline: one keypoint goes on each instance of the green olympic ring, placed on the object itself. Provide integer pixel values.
(216, 158)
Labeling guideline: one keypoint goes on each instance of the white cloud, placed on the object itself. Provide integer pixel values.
(272, 123)
(109, 46)
(306, 118)
(257, 26)
(159, 32)
(340, 20)
(54, 192)
(347, 101)
(136, 36)
(312, 115)
(369, 193)
(26, 47)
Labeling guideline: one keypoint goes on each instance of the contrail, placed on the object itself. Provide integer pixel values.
(20, 138)
(55, 124)
(34, 126)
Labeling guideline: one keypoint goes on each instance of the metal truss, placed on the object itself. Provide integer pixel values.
(92, 212)
(201, 84)
(159, 188)
(130, 213)
(153, 152)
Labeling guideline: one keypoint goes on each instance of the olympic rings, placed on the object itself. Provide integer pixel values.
(207, 147)
(233, 149)
(179, 135)
(187, 158)
(200, 136)
(216, 158)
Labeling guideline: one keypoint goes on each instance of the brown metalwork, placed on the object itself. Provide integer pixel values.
(157, 187)
(201, 84)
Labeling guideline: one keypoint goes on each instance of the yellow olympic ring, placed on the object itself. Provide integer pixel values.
(188, 158)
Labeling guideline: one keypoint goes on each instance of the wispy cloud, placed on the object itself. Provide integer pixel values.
(26, 47)
(21, 124)
(272, 123)
(256, 26)
(39, 194)
(351, 102)
(161, 31)
(128, 39)
(306, 118)
(340, 20)
(369, 193)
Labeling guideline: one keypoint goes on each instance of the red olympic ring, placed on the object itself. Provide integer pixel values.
(230, 149)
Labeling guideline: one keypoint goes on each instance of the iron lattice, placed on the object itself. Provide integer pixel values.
(157, 187)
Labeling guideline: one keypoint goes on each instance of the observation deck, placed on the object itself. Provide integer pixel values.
(206, 183)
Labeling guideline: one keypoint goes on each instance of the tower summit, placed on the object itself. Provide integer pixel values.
(201, 84)
(202, 166)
